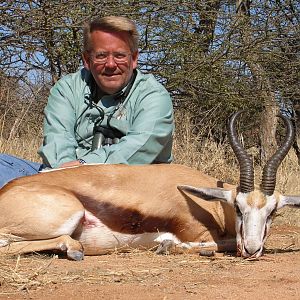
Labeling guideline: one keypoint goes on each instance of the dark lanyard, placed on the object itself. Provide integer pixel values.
(122, 96)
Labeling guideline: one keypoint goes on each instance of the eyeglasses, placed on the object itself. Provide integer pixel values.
(101, 57)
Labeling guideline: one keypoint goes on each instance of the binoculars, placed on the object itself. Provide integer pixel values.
(104, 136)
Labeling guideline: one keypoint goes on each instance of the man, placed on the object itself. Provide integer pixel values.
(109, 98)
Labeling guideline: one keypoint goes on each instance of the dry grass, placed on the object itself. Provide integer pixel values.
(20, 122)
(23, 273)
(27, 273)
(13, 143)
(219, 161)
(203, 153)
(22, 147)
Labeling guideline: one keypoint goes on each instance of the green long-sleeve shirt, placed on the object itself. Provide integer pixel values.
(145, 117)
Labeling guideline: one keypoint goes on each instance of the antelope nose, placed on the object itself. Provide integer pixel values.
(252, 249)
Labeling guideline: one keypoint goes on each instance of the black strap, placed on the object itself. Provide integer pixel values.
(122, 96)
(110, 131)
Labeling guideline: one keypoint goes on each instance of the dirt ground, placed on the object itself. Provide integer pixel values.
(144, 275)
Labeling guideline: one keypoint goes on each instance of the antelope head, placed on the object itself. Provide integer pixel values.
(254, 207)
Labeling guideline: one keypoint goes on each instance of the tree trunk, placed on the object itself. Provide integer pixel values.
(296, 119)
(268, 132)
(268, 122)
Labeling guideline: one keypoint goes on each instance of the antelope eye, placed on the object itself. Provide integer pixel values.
(238, 211)
(271, 215)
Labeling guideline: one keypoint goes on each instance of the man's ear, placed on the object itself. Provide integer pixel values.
(86, 60)
(135, 56)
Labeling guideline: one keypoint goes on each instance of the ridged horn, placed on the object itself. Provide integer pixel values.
(245, 161)
(270, 169)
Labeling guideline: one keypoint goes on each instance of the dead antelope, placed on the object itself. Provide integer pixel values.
(96, 208)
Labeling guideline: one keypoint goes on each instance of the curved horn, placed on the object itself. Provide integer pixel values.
(246, 164)
(269, 172)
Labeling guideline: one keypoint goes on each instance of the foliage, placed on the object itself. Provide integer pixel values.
(213, 56)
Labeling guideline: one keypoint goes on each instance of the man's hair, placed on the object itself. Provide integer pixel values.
(111, 24)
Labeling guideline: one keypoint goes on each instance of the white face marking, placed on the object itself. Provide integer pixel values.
(253, 222)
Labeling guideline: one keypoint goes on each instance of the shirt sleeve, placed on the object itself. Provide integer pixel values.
(59, 144)
(149, 135)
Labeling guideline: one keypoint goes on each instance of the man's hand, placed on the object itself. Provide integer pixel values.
(70, 164)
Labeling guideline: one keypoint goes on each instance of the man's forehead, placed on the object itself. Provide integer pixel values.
(100, 39)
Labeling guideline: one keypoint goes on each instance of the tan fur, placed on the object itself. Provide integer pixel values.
(256, 199)
(127, 199)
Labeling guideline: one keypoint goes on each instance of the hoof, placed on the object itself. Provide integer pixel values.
(164, 247)
(207, 253)
(75, 255)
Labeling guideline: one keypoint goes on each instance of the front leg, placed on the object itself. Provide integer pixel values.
(172, 244)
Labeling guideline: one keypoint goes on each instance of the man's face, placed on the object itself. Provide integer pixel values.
(111, 75)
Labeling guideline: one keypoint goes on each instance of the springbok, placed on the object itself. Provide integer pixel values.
(94, 209)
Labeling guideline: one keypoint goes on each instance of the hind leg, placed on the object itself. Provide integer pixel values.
(38, 218)
(63, 243)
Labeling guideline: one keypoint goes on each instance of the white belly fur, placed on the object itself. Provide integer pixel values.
(97, 238)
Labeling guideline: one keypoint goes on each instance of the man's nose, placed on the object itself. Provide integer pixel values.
(110, 62)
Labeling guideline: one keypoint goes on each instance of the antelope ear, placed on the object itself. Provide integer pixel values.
(288, 200)
(209, 194)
